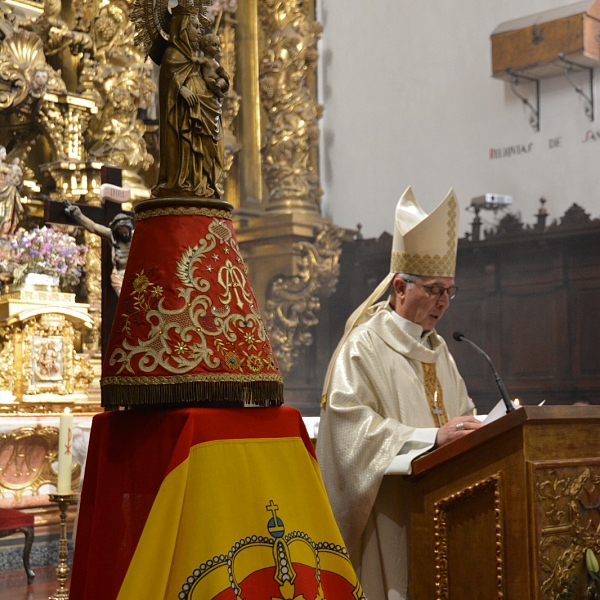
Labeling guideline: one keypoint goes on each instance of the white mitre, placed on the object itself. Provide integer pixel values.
(422, 245)
(425, 244)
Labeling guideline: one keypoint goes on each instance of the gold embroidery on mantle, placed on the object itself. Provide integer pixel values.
(201, 331)
(183, 211)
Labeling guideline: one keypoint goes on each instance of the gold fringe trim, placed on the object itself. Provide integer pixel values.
(183, 211)
(174, 379)
(201, 393)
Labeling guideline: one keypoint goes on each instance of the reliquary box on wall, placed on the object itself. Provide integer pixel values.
(532, 45)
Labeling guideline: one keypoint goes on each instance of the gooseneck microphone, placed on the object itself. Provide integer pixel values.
(459, 337)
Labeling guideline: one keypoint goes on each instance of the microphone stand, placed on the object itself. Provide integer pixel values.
(459, 337)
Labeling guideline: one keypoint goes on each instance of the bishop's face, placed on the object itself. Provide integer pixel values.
(416, 302)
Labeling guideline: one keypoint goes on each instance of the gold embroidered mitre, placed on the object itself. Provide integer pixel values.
(425, 244)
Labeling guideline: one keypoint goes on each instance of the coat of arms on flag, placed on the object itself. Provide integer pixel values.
(286, 566)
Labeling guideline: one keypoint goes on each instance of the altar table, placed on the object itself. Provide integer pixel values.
(203, 503)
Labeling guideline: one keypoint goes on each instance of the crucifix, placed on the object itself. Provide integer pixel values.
(59, 213)
(436, 409)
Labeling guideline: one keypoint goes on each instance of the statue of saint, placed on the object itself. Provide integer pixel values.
(11, 208)
(118, 234)
(191, 88)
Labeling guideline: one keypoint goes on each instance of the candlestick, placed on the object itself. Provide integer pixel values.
(62, 570)
(65, 452)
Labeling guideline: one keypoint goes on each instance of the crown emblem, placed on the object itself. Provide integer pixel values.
(280, 566)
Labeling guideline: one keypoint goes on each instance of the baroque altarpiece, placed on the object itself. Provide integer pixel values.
(76, 94)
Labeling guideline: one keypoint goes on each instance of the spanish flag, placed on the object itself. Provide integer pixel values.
(203, 504)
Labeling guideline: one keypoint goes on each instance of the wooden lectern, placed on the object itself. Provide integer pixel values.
(509, 510)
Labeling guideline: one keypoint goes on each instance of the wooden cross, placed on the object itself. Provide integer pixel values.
(54, 213)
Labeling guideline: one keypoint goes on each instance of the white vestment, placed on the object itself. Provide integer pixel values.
(376, 409)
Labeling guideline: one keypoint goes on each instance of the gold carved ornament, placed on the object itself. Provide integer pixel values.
(25, 73)
(50, 364)
(292, 301)
(8, 374)
(568, 523)
(119, 80)
(224, 24)
(292, 133)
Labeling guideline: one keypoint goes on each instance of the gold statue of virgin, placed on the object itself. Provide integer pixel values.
(191, 88)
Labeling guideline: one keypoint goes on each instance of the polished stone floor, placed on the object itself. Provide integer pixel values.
(13, 584)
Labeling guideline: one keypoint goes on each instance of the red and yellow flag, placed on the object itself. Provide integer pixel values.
(201, 504)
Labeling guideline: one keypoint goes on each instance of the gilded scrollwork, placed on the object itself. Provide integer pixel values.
(222, 14)
(26, 458)
(292, 131)
(119, 79)
(293, 301)
(83, 373)
(567, 498)
(55, 34)
(25, 76)
(8, 375)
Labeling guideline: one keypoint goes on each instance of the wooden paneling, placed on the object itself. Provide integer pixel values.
(529, 299)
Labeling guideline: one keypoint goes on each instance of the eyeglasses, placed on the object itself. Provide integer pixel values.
(435, 291)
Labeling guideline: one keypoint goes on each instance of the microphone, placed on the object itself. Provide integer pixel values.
(459, 337)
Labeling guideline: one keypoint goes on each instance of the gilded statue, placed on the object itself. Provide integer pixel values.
(191, 88)
(11, 208)
(25, 76)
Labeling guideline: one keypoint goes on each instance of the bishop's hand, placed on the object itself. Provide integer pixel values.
(455, 428)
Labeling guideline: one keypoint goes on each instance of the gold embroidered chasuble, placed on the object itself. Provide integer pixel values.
(377, 408)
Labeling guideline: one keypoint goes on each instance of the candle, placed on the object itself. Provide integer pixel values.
(65, 452)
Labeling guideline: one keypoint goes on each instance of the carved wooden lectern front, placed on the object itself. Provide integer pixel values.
(509, 510)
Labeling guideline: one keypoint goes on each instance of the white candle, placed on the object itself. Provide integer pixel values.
(65, 452)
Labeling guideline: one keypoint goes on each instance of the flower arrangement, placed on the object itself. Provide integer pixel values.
(42, 250)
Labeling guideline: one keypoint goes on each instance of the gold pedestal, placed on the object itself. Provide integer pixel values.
(62, 570)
